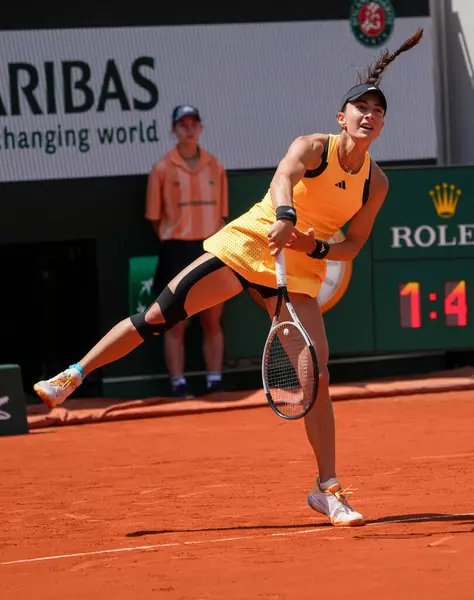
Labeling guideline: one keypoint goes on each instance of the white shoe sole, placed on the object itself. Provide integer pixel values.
(350, 523)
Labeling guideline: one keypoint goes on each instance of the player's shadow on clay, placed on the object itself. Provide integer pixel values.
(418, 519)
(414, 519)
(235, 528)
(422, 518)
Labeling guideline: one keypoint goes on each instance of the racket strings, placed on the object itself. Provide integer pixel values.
(290, 372)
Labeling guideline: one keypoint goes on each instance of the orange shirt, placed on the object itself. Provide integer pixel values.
(190, 204)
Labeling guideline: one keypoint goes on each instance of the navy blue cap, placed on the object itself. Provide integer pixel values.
(363, 88)
(184, 110)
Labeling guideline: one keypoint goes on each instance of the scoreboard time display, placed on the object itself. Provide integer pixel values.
(423, 261)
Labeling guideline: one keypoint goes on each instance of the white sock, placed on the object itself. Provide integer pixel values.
(329, 483)
(213, 376)
(76, 368)
(175, 381)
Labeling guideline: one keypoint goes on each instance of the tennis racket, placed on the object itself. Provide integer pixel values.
(290, 371)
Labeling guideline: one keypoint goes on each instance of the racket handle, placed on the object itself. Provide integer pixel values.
(280, 269)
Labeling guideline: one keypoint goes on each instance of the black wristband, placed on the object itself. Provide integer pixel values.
(320, 250)
(286, 212)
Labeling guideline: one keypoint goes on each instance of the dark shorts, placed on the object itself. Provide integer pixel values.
(262, 290)
(175, 255)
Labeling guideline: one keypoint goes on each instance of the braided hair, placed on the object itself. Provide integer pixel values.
(373, 74)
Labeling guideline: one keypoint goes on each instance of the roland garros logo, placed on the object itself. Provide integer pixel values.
(4, 415)
(372, 21)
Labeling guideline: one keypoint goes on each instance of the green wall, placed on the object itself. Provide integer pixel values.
(107, 214)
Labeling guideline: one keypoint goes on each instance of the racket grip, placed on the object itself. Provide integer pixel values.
(280, 269)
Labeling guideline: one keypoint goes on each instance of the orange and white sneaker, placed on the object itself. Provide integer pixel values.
(55, 390)
(329, 499)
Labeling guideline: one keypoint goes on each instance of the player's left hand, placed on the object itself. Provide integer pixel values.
(302, 242)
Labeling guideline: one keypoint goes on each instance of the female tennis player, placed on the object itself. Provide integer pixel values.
(323, 182)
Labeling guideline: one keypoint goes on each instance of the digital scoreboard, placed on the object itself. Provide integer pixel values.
(453, 308)
(424, 305)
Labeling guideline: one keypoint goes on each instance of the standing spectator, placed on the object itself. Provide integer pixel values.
(186, 203)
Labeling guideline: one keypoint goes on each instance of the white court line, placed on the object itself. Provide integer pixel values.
(151, 491)
(218, 540)
(441, 541)
(443, 456)
(97, 552)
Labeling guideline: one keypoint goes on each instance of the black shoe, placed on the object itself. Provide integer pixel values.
(215, 387)
(181, 391)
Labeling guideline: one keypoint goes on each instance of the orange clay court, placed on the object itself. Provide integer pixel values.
(212, 505)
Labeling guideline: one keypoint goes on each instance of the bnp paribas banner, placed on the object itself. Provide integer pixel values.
(80, 103)
(428, 214)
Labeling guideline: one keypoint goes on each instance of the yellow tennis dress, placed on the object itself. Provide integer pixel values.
(325, 199)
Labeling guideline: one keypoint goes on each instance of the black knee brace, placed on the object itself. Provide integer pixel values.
(172, 309)
(172, 304)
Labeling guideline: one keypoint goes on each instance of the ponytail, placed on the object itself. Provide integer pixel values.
(374, 73)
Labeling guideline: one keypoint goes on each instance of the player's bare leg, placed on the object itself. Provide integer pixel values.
(327, 497)
(319, 421)
(214, 288)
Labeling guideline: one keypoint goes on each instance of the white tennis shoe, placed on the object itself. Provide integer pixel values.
(329, 499)
(54, 391)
